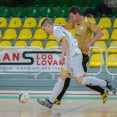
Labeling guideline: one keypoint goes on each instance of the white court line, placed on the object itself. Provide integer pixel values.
(49, 92)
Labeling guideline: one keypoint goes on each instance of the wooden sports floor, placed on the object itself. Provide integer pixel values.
(71, 106)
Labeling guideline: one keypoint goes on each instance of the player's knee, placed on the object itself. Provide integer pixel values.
(69, 75)
(63, 75)
(79, 80)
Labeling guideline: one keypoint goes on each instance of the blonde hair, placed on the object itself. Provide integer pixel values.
(46, 21)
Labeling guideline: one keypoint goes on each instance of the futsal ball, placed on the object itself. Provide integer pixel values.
(23, 97)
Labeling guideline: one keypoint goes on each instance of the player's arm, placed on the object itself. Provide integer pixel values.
(99, 33)
(60, 37)
(69, 25)
(64, 46)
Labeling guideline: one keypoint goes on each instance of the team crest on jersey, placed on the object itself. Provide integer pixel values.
(81, 28)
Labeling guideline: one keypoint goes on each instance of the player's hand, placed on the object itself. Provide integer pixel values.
(62, 60)
(87, 47)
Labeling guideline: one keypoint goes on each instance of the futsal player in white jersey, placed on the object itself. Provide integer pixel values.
(71, 66)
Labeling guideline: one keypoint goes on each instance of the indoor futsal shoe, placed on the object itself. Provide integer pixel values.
(45, 103)
(57, 102)
(110, 86)
(105, 95)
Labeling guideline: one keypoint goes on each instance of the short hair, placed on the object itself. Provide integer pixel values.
(74, 10)
(46, 21)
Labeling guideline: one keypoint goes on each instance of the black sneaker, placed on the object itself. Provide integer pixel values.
(45, 103)
(110, 86)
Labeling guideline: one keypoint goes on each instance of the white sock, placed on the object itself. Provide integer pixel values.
(93, 81)
(57, 90)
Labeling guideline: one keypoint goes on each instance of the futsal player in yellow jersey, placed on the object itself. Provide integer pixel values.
(70, 65)
(83, 31)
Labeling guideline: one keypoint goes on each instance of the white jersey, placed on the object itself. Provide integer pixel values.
(72, 48)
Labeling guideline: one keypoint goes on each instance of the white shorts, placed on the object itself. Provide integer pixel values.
(74, 66)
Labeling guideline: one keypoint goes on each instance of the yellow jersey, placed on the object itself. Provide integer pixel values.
(84, 30)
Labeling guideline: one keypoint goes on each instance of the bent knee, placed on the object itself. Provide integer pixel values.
(63, 75)
(79, 82)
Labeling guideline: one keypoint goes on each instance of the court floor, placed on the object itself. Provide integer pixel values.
(71, 106)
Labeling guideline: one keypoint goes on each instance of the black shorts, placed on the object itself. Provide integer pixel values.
(84, 62)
